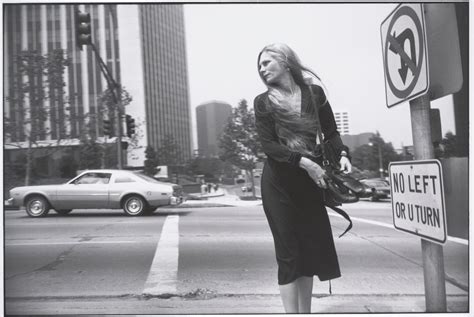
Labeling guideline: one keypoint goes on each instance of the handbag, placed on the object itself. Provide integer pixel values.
(341, 188)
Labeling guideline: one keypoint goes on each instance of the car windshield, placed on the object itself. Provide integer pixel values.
(147, 178)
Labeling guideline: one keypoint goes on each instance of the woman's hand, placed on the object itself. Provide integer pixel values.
(314, 171)
(346, 165)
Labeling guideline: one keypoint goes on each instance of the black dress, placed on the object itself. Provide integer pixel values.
(292, 201)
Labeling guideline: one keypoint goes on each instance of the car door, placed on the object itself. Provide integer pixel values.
(89, 191)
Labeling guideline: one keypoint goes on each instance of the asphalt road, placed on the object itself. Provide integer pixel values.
(206, 260)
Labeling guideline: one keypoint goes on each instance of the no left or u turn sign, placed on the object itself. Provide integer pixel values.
(404, 54)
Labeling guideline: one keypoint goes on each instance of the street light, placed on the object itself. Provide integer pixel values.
(380, 158)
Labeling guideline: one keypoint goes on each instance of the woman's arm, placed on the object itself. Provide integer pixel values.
(329, 128)
(328, 123)
(266, 132)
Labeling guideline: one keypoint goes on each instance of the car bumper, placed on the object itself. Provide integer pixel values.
(176, 200)
(12, 203)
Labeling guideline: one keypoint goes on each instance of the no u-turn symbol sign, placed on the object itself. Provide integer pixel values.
(404, 52)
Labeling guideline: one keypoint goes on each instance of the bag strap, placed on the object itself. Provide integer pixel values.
(326, 162)
(343, 214)
(318, 127)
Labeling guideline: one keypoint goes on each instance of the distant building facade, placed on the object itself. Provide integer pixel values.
(43, 29)
(211, 118)
(143, 47)
(342, 122)
(154, 70)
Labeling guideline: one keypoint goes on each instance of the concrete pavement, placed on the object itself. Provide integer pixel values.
(381, 274)
(352, 299)
(232, 304)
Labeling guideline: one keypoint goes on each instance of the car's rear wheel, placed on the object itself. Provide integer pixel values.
(63, 212)
(37, 206)
(135, 206)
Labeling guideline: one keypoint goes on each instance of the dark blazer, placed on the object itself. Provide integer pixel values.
(265, 125)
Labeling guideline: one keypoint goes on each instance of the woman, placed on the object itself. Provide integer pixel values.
(292, 183)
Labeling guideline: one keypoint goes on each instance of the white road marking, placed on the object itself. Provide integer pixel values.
(163, 275)
(386, 225)
(8, 244)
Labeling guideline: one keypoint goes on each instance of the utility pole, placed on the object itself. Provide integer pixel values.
(380, 159)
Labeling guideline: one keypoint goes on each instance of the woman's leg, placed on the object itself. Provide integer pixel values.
(289, 296)
(305, 292)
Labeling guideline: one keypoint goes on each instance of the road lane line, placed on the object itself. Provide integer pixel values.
(386, 225)
(163, 275)
(8, 244)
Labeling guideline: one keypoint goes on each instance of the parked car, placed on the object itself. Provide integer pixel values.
(247, 188)
(379, 188)
(135, 193)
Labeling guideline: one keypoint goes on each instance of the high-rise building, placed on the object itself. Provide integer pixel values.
(154, 70)
(143, 47)
(211, 118)
(342, 121)
(43, 29)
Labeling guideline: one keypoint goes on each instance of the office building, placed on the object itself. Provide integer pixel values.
(154, 70)
(342, 121)
(45, 29)
(211, 118)
(143, 47)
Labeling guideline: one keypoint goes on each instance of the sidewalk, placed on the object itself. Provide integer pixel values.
(219, 198)
(232, 304)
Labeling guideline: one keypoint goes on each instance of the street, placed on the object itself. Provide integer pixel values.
(198, 259)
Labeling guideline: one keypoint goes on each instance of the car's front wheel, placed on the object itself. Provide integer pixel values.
(37, 206)
(63, 212)
(135, 206)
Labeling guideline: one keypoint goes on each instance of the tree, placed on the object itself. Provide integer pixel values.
(90, 153)
(68, 166)
(108, 108)
(239, 143)
(210, 167)
(151, 161)
(37, 97)
(449, 146)
(169, 153)
(366, 157)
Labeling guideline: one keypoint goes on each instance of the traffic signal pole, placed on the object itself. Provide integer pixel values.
(84, 38)
(117, 97)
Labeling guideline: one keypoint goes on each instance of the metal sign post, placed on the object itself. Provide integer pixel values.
(432, 253)
(421, 61)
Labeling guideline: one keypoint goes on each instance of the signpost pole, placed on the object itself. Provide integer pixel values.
(432, 253)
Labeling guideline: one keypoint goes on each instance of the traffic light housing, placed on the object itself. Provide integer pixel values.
(107, 127)
(130, 125)
(83, 29)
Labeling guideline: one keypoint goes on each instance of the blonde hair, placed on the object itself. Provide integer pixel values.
(294, 131)
(302, 75)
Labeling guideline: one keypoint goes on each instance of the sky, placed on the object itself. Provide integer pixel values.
(340, 42)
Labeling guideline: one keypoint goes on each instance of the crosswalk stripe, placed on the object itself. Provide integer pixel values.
(163, 273)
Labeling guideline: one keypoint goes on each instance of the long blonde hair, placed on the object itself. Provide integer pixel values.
(294, 131)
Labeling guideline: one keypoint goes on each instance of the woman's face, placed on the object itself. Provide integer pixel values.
(270, 69)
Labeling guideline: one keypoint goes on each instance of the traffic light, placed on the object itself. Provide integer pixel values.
(107, 127)
(83, 29)
(130, 125)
